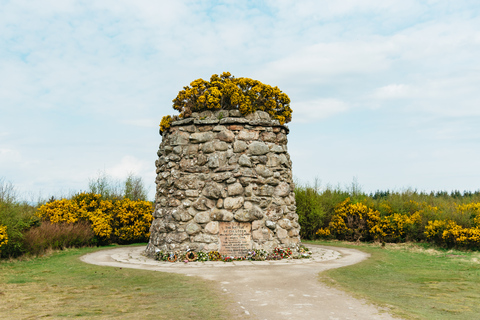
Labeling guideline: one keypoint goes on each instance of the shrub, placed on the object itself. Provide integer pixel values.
(227, 92)
(58, 236)
(123, 221)
(310, 212)
(15, 218)
(3, 236)
(132, 220)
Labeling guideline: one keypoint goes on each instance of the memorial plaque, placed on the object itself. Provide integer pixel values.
(235, 238)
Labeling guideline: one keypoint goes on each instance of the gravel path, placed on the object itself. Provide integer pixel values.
(285, 289)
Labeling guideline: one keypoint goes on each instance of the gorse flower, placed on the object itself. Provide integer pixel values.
(125, 220)
(3, 236)
(227, 92)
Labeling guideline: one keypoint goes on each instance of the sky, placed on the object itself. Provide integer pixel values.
(385, 94)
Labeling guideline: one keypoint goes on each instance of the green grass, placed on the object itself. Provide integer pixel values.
(415, 282)
(61, 286)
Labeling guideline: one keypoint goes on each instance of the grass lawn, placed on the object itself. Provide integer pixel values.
(416, 282)
(61, 286)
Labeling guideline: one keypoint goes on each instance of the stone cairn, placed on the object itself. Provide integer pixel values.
(224, 183)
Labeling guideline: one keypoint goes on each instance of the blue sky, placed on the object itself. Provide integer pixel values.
(384, 92)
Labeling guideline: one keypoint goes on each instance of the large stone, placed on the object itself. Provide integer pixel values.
(244, 161)
(177, 237)
(213, 161)
(248, 135)
(282, 190)
(201, 137)
(208, 147)
(213, 190)
(235, 189)
(202, 217)
(263, 171)
(258, 148)
(179, 138)
(220, 145)
(192, 228)
(212, 227)
(221, 215)
(268, 136)
(203, 204)
(270, 224)
(226, 135)
(158, 226)
(246, 215)
(181, 215)
(281, 233)
(239, 146)
(285, 224)
(273, 160)
(233, 203)
(266, 190)
(205, 238)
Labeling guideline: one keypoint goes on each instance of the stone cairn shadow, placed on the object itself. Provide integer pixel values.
(224, 183)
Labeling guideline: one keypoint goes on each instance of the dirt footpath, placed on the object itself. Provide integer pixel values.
(266, 290)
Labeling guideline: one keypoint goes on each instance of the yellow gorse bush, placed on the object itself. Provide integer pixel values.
(353, 221)
(227, 92)
(122, 220)
(133, 219)
(3, 236)
(420, 221)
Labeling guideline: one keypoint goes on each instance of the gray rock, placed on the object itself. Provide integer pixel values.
(248, 135)
(270, 224)
(244, 161)
(263, 171)
(177, 237)
(208, 147)
(245, 215)
(234, 113)
(191, 193)
(201, 137)
(258, 148)
(192, 228)
(235, 189)
(226, 135)
(220, 145)
(202, 217)
(179, 138)
(285, 224)
(212, 227)
(268, 136)
(221, 215)
(233, 203)
(213, 161)
(282, 190)
(204, 238)
(181, 215)
(273, 160)
(281, 233)
(239, 146)
(203, 204)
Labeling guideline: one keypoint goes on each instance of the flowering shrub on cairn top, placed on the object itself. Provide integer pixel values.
(229, 93)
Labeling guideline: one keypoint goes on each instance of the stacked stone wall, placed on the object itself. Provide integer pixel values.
(218, 171)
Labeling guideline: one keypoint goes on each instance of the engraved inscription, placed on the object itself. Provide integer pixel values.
(235, 238)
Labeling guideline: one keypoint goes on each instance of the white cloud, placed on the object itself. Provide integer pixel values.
(10, 157)
(314, 110)
(127, 165)
(392, 91)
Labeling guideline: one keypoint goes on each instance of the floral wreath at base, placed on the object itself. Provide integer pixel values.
(253, 255)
